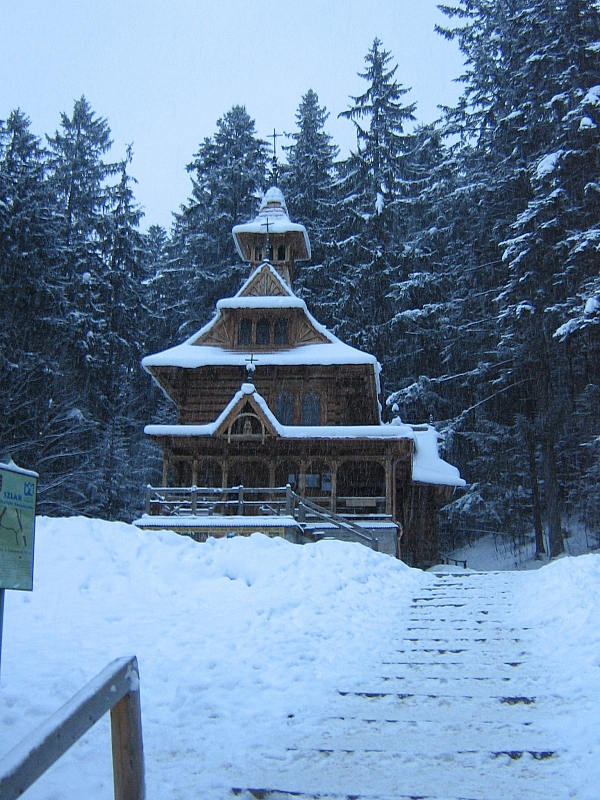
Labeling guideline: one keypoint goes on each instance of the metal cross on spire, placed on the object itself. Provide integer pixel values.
(267, 243)
(275, 136)
(275, 168)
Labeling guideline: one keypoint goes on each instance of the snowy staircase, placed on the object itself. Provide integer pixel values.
(454, 710)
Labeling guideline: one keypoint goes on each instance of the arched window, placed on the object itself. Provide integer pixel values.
(258, 254)
(361, 487)
(263, 331)
(284, 408)
(317, 479)
(247, 425)
(287, 472)
(282, 331)
(311, 409)
(182, 472)
(245, 331)
(281, 252)
(209, 473)
(248, 473)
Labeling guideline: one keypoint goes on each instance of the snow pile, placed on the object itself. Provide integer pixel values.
(233, 637)
(562, 602)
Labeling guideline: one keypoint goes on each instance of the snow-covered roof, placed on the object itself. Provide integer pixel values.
(428, 467)
(266, 301)
(216, 521)
(291, 431)
(191, 356)
(273, 209)
(274, 195)
(285, 431)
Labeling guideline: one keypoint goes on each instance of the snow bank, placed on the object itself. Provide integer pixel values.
(233, 637)
(242, 641)
(562, 601)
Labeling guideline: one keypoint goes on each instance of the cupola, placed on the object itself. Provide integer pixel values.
(272, 237)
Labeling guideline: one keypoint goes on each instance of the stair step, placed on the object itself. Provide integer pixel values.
(281, 794)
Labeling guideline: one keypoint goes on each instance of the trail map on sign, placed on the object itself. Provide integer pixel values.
(17, 526)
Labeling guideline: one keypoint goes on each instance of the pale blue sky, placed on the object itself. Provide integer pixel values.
(162, 73)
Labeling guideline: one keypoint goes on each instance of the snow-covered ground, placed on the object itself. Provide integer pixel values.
(323, 669)
(495, 552)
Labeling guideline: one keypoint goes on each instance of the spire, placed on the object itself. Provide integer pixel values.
(272, 237)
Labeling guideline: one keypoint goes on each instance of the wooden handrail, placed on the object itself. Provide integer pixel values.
(115, 689)
(339, 522)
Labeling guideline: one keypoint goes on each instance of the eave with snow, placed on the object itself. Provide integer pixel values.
(267, 396)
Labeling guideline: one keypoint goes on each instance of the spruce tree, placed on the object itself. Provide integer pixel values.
(372, 183)
(547, 308)
(308, 178)
(228, 174)
(79, 175)
(119, 399)
(32, 316)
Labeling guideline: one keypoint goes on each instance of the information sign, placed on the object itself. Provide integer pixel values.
(17, 526)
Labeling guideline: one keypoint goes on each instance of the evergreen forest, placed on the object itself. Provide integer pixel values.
(464, 254)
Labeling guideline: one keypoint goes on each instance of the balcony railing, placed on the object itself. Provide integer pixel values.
(197, 501)
(245, 501)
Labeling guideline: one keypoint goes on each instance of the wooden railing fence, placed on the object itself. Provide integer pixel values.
(242, 500)
(115, 689)
(453, 561)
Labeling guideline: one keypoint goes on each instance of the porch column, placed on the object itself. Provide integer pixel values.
(166, 465)
(224, 475)
(394, 509)
(389, 484)
(333, 500)
(302, 479)
(194, 471)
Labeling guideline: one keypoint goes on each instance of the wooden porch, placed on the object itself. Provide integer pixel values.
(207, 511)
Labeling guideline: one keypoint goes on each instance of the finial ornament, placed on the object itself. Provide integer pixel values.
(250, 366)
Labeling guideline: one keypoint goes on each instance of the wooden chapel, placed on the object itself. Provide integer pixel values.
(268, 398)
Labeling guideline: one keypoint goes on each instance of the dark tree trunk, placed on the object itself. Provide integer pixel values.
(535, 501)
(551, 490)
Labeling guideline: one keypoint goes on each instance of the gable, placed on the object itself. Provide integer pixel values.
(265, 282)
(246, 419)
(219, 334)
